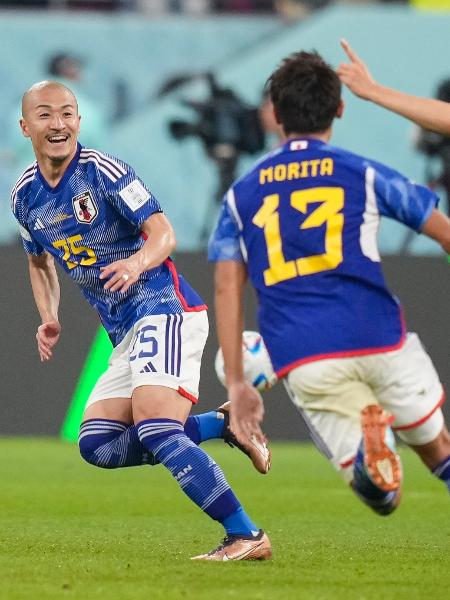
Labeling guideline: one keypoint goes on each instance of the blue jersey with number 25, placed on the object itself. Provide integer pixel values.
(92, 218)
(305, 221)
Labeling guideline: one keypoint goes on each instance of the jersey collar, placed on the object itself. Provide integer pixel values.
(302, 143)
(67, 174)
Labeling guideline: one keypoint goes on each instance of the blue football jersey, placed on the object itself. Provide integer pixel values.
(304, 220)
(91, 219)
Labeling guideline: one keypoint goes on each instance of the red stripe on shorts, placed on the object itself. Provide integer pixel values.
(347, 463)
(423, 419)
(187, 395)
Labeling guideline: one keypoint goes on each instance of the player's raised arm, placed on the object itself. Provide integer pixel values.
(426, 112)
(159, 244)
(45, 285)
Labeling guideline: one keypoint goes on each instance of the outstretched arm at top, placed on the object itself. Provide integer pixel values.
(426, 112)
(159, 244)
(45, 285)
(247, 409)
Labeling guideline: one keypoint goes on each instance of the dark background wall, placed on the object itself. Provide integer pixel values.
(35, 396)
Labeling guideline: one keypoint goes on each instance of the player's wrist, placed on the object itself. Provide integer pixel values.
(376, 92)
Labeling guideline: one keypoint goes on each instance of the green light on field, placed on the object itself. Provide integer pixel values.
(95, 364)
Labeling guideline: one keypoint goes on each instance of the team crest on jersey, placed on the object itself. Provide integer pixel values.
(84, 207)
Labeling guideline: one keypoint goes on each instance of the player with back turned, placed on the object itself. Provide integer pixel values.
(302, 224)
(93, 215)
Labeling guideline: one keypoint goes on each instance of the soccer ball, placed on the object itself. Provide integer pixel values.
(258, 369)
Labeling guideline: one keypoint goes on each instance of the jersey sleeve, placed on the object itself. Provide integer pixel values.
(131, 198)
(401, 199)
(31, 246)
(225, 242)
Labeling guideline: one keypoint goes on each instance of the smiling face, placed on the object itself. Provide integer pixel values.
(50, 119)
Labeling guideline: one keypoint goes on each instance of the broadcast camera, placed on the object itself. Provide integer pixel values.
(226, 125)
(223, 119)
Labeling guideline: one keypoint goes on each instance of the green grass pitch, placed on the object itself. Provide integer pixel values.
(71, 531)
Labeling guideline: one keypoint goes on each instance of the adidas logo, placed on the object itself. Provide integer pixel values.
(149, 368)
(38, 224)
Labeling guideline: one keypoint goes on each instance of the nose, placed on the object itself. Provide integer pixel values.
(57, 122)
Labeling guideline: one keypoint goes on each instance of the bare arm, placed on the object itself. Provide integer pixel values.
(438, 227)
(159, 244)
(247, 409)
(45, 285)
(426, 112)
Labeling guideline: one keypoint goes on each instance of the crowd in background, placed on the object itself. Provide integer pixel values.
(288, 9)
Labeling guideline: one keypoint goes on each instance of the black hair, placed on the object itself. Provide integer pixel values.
(306, 93)
(443, 90)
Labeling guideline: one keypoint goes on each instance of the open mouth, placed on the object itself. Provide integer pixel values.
(58, 139)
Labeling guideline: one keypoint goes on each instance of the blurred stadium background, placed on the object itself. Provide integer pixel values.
(69, 530)
(128, 54)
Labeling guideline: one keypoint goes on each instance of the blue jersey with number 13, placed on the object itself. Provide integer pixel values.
(305, 220)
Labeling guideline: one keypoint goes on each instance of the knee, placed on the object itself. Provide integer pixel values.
(88, 449)
(434, 452)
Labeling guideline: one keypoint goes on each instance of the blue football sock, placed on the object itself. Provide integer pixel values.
(198, 475)
(111, 444)
(207, 426)
(442, 471)
(239, 523)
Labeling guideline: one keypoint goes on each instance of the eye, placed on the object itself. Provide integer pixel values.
(67, 114)
(43, 115)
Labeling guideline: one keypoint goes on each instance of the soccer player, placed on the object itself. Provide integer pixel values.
(302, 225)
(426, 112)
(92, 214)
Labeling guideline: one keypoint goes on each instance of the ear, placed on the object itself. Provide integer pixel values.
(277, 118)
(24, 128)
(340, 110)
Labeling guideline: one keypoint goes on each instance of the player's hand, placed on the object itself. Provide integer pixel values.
(355, 75)
(47, 336)
(121, 274)
(246, 411)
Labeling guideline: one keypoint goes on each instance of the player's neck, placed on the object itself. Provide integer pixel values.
(53, 170)
(323, 136)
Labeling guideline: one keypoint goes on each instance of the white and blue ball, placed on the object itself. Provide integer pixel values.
(258, 369)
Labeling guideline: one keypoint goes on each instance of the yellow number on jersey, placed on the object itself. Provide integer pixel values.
(267, 217)
(68, 245)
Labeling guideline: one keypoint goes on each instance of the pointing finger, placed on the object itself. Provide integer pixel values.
(349, 51)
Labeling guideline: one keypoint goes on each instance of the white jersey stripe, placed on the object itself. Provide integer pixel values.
(30, 169)
(100, 167)
(103, 158)
(371, 216)
(231, 200)
(16, 191)
(104, 163)
(24, 233)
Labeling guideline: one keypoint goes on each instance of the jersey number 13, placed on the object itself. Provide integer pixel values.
(267, 218)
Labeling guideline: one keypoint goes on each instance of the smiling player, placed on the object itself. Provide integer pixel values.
(94, 216)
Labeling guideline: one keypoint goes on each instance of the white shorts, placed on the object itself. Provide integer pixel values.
(161, 350)
(331, 393)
